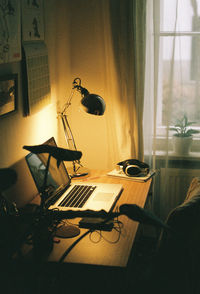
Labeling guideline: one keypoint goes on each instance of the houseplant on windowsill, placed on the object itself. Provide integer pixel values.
(182, 139)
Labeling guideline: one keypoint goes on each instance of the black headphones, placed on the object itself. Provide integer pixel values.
(134, 167)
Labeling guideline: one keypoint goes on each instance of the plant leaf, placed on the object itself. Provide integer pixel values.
(190, 123)
(178, 126)
(185, 120)
(191, 132)
(173, 129)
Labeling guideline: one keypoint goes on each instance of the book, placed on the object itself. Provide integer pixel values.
(121, 174)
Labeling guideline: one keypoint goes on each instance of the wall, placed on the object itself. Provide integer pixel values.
(83, 44)
(17, 130)
(74, 36)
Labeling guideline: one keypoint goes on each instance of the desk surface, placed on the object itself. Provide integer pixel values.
(107, 249)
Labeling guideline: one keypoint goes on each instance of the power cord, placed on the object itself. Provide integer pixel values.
(72, 246)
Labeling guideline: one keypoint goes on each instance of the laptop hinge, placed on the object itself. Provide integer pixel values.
(51, 199)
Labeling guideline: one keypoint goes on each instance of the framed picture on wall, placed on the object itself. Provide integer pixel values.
(8, 94)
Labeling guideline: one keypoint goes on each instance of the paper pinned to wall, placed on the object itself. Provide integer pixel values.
(32, 20)
(10, 31)
(35, 60)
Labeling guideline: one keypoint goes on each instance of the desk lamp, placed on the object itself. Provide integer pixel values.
(92, 104)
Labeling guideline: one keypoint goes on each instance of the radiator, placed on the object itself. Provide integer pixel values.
(174, 183)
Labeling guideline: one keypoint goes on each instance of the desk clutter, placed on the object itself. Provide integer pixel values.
(41, 223)
(117, 172)
(132, 169)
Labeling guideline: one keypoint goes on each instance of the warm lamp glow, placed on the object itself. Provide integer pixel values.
(92, 104)
(43, 125)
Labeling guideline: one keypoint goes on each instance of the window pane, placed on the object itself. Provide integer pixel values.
(187, 16)
(180, 77)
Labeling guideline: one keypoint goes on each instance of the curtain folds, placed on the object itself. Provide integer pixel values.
(170, 93)
(105, 46)
(128, 43)
(139, 33)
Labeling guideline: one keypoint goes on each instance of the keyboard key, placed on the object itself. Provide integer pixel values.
(78, 196)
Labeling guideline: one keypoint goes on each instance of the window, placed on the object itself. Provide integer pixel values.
(178, 36)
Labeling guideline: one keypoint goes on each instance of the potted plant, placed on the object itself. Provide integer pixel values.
(182, 139)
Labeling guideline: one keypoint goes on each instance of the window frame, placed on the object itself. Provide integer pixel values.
(161, 130)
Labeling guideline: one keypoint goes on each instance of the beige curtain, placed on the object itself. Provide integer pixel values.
(103, 43)
(171, 91)
(128, 44)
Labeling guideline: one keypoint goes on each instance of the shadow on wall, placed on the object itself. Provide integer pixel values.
(24, 190)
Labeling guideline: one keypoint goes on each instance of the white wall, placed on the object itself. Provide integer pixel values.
(81, 43)
(74, 50)
(17, 130)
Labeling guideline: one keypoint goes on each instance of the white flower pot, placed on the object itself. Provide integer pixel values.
(182, 145)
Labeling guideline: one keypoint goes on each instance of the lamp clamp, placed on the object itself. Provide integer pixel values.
(77, 85)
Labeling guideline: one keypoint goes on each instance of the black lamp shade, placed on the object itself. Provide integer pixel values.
(94, 104)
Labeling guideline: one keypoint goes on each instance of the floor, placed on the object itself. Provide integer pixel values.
(38, 280)
(139, 278)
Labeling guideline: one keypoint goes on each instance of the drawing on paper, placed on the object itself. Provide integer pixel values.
(10, 37)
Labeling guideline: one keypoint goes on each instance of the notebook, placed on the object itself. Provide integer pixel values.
(64, 195)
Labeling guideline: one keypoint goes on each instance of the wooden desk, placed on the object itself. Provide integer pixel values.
(90, 267)
(107, 251)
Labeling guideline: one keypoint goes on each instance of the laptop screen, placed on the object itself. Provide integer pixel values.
(56, 178)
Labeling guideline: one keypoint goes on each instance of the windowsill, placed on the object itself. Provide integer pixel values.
(191, 156)
(161, 144)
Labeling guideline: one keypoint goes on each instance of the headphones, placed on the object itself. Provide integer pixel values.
(134, 168)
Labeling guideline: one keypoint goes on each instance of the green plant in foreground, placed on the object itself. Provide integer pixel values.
(182, 128)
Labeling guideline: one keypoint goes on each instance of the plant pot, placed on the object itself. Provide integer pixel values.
(182, 145)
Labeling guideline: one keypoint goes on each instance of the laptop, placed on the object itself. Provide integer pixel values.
(64, 195)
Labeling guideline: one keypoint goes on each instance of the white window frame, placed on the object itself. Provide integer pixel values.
(161, 130)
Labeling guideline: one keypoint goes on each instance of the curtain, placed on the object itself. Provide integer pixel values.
(127, 21)
(171, 97)
(105, 43)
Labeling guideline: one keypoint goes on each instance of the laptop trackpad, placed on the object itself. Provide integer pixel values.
(103, 196)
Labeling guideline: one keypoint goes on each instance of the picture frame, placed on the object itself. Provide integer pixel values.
(8, 94)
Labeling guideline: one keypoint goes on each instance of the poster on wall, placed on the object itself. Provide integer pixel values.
(8, 94)
(32, 20)
(38, 81)
(10, 31)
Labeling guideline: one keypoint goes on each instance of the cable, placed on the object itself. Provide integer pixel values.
(101, 236)
(118, 229)
(72, 246)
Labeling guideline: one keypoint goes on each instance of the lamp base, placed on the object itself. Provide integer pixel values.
(67, 231)
(81, 172)
(78, 175)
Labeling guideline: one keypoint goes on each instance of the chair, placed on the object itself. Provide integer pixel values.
(176, 268)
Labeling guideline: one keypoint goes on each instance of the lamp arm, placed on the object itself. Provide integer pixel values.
(68, 132)
(70, 140)
(68, 103)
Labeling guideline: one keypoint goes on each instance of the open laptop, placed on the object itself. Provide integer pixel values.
(62, 194)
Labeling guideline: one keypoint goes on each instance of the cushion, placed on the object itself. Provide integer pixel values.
(194, 188)
(179, 251)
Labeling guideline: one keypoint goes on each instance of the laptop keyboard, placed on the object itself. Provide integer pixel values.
(78, 196)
